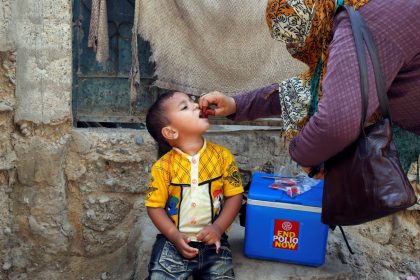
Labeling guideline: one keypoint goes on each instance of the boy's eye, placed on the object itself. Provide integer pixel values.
(184, 108)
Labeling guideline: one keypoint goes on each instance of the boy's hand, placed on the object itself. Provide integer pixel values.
(168, 228)
(211, 234)
(181, 243)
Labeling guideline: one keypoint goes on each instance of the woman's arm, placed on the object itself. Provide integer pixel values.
(259, 103)
(250, 105)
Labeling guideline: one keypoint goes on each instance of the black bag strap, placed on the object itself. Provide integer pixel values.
(362, 35)
(356, 26)
(379, 80)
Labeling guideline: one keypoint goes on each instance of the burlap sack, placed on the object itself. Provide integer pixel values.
(205, 45)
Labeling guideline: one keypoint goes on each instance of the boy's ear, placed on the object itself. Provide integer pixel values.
(169, 133)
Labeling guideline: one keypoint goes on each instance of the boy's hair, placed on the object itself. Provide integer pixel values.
(156, 118)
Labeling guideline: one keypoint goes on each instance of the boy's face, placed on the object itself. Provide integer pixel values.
(184, 115)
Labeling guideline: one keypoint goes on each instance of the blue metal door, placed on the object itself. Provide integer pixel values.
(101, 91)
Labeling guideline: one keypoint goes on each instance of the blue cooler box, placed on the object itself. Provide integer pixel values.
(282, 228)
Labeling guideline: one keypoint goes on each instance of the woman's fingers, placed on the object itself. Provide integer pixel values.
(316, 172)
(222, 105)
(209, 98)
(307, 170)
(320, 174)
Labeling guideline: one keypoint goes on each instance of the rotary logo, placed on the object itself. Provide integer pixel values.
(287, 226)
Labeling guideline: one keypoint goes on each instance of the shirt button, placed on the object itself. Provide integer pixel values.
(194, 161)
(194, 181)
(193, 204)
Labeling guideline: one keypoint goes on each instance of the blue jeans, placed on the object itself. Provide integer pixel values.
(167, 263)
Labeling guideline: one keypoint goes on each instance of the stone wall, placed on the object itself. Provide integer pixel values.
(71, 200)
(7, 157)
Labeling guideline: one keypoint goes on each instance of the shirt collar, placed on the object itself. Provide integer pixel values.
(189, 157)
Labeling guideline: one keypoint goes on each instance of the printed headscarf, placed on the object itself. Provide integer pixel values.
(306, 28)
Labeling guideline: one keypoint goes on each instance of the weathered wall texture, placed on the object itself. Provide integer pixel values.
(7, 156)
(6, 7)
(44, 62)
(71, 200)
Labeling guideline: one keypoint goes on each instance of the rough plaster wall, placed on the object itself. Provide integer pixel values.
(387, 248)
(6, 26)
(68, 199)
(7, 157)
(39, 230)
(242, 144)
(44, 61)
(107, 173)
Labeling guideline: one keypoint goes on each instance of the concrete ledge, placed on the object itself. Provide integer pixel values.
(235, 128)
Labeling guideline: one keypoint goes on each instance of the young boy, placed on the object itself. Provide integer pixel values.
(193, 196)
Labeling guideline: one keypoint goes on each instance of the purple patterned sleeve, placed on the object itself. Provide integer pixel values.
(337, 122)
(258, 103)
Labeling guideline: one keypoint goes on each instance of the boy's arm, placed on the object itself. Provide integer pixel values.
(211, 234)
(229, 212)
(164, 224)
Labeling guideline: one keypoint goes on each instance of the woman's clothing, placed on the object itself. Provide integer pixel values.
(395, 26)
(306, 27)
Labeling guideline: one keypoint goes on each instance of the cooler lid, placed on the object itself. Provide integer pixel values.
(260, 190)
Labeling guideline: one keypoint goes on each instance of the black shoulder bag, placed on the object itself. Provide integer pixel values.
(365, 181)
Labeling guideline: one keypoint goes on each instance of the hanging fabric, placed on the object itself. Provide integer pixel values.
(98, 38)
(200, 46)
(135, 65)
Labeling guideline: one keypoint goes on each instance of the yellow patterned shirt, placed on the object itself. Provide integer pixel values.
(192, 188)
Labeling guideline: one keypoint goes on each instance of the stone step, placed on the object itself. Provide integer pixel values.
(252, 269)
(247, 268)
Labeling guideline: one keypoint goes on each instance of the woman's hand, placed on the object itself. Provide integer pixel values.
(225, 105)
(314, 172)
